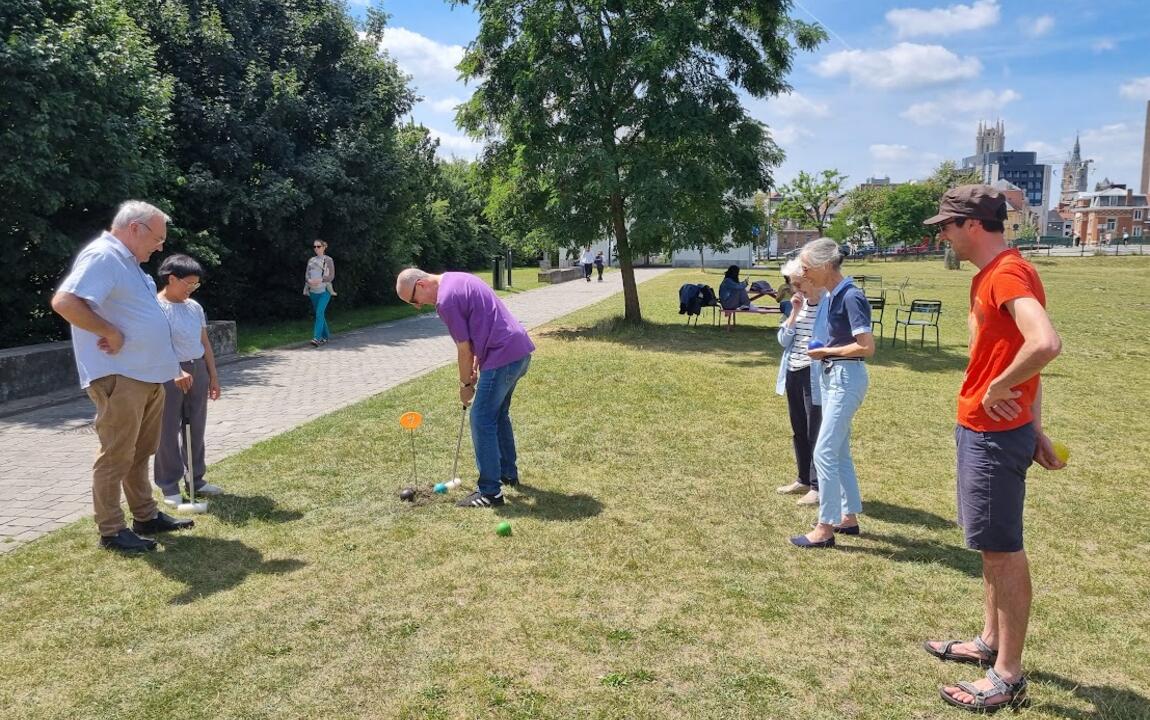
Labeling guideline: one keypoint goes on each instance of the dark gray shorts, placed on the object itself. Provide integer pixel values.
(992, 485)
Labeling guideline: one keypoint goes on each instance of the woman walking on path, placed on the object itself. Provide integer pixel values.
(599, 264)
(587, 260)
(317, 286)
(181, 276)
(843, 327)
(795, 381)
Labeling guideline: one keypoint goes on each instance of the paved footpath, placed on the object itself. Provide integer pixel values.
(46, 454)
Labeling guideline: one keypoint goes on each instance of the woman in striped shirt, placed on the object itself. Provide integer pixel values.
(794, 381)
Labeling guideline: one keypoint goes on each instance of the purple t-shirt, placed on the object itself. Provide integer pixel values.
(472, 311)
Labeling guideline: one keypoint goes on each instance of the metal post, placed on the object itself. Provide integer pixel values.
(509, 254)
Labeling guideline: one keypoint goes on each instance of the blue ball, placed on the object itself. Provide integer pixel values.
(815, 345)
(440, 488)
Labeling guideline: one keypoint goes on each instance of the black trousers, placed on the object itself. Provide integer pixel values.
(599, 267)
(805, 420)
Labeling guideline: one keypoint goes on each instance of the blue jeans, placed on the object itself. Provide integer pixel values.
(843, 389)
(319, 303)
(491, 432)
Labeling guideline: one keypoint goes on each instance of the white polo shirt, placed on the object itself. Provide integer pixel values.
(108, 276)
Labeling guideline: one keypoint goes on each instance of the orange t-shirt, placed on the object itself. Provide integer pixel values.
(995, 339)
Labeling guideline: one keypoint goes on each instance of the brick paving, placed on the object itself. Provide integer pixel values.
(46, 454)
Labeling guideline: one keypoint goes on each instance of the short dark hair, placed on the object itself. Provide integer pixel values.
(994, 226)
(181, 266)
(732, 272)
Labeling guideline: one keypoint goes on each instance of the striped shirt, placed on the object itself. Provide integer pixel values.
(804, 328)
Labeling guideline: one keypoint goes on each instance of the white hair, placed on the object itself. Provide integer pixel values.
(821, 252)
(792, 269)
(136, 211)
(408, 277)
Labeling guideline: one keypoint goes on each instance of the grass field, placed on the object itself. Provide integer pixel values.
(649, 574)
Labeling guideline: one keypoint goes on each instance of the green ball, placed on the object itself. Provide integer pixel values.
(503, 529)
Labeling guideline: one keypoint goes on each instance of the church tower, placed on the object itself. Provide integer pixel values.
(1074, 172)
(990, 138)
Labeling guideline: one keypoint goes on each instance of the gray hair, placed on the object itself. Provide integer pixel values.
(821, 252)
(792, 269)
(136, 211)
(408, 277)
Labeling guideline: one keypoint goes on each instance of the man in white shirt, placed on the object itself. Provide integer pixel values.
(124, 354)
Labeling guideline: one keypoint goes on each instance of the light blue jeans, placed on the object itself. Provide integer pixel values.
(843, 386)
(491, 432)
(319, 303)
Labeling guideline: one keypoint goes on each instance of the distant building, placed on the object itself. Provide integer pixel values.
(1020, 168)
(1109, 215)
(1074, 172)
(1019, 214)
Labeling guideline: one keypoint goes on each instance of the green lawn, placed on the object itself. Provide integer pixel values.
(253, 338)
(649, 574)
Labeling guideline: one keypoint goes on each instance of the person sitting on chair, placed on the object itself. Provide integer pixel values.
(733, 293)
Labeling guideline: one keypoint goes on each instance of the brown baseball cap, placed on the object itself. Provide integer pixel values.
(978, 202)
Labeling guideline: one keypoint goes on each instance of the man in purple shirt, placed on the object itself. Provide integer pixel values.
(492, 351)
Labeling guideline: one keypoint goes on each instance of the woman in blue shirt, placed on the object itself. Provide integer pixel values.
(843, 327)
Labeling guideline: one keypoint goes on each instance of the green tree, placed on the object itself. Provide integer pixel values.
(622, 117)
(899, 218)
(862, 203)
(809, 199)
(284, 131)
(83, 126)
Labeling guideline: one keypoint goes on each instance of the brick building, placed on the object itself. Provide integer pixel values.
(1110, 215)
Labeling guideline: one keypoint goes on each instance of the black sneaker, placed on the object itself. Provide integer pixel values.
(509, 482)
(478, 499)
(161, 523)
(127, 541)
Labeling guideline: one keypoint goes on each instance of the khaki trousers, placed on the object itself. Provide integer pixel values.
(128, 414)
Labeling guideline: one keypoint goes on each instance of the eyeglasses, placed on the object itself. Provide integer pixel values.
(192, 287)
(317, 245)
(413, 289)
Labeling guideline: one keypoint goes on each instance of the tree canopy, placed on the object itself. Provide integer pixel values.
(624, 118)
(809, 199)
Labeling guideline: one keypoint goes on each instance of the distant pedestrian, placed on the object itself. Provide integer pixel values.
(599, 264)
(181, 276)
(493, 353)
(317, 286)
(588, 261)
(124, 354)
(998, 435)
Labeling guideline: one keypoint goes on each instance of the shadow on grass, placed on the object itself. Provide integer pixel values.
(547, 505)
(906, 516)
(209, 565)
(930, 552)
(1110, 703)
(240, 510)
(744, 345)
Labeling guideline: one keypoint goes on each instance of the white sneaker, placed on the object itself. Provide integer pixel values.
(209, 489)
(811, 498)
(794, 487)
(173, 500)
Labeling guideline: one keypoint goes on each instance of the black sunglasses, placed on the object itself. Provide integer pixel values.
(413, 289)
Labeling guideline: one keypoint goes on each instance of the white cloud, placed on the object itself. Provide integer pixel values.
(960, 107)
(1102, 45)
(896, 153)
(1037, 27)
(789, 134)
(797, 105)
(911, 22)
(445, 105)
(1116, 151)
(1136, 89)
(451, 145)
(906, 65)
(1047, 153)
(423, 58)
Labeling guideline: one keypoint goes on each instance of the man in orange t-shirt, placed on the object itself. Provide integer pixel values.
(999, 434)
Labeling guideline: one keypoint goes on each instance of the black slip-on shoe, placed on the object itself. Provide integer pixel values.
(127, 541)
(162, 523)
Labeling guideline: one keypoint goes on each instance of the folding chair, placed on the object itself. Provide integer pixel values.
(901, 289)
(877, 306)
(921, 314)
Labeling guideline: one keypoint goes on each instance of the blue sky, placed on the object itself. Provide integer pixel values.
(899, 86)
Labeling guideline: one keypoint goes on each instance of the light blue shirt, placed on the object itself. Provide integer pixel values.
(109, 278)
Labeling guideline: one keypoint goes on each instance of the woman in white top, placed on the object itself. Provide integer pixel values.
(317, 286)
(794, 381)
(179, 277)
(587, 260)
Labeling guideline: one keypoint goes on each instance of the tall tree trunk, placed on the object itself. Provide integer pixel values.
(631, 312)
